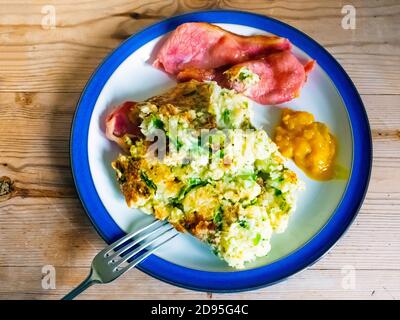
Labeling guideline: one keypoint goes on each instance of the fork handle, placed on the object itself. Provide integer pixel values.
(89, 281)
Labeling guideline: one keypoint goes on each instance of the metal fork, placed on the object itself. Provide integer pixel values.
(122, 255)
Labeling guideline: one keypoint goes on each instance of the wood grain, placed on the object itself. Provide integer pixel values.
(42, 73)
(310, 284)
(36, 59)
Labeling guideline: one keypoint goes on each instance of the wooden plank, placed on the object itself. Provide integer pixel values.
(25, 283)
(39, 159)
(57, 232)
(46, 206)
(42, 73)
(61, 60)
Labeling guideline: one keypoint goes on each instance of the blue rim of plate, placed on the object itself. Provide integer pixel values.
(233, 281)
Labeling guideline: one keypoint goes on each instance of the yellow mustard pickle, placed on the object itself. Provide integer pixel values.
(308, 143)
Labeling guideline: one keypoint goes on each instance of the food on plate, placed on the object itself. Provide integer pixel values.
(202, 45)
(309, 143)
(199, 75)
(274, 79)
(260, 67)
(218, 178)
(122, 124)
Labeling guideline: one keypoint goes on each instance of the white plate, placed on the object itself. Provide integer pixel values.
(319, 96)
(324, 209)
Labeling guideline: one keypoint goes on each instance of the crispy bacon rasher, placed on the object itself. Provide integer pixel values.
(205, 52)
(281, 77)
(202, 45)
(123, 122)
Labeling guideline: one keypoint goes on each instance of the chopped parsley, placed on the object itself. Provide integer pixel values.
(284, 206)
(250, 203)
(263, 175)
(156, 123)
(257, 239)
(247, 176)
(243, 76)
(215, 251)
(192, 183)
(226, 116)
(127, 140)
(244, 224)
(176, 204)
(218, 217)
(177, 143)
(147, 181)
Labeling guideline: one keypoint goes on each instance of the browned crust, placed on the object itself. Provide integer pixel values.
(132, 186)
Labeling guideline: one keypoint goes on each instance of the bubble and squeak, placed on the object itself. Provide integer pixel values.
(193, 158)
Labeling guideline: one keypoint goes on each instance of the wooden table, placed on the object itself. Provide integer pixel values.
(43, 69)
